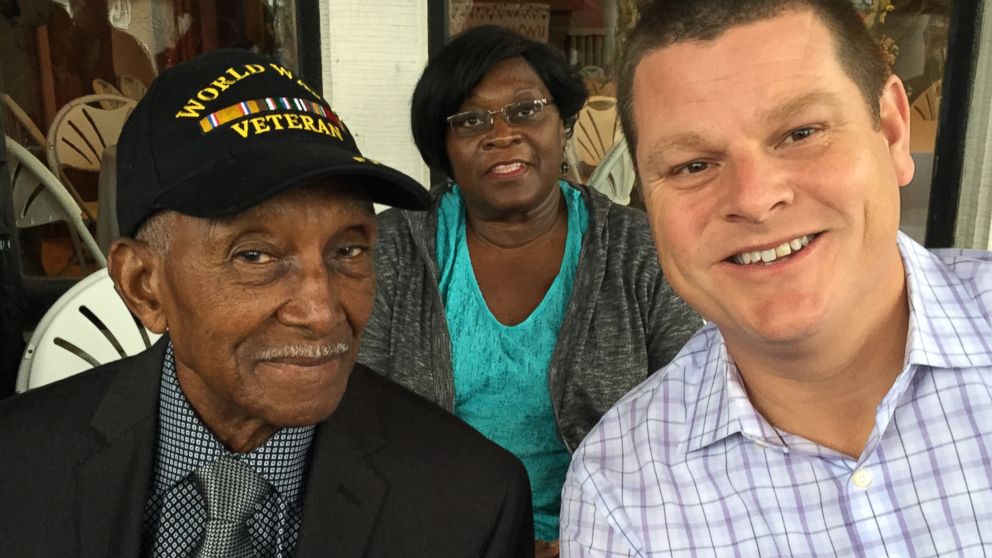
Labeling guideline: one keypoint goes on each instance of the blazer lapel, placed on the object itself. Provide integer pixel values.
(114, 482)
(344, 493)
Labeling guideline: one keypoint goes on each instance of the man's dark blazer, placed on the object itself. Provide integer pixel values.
(391, 474)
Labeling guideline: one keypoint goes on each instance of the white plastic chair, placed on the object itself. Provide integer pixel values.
(614, 177)
(40, 198)
(104, 87)
(87, 326)
(80, 132)
(596, 129)
(131, 87)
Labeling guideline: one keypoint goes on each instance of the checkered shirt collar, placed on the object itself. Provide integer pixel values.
(945, 326)
(185, 444)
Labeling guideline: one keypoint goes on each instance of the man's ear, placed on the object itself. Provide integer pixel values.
(894, 124)
(137, 272)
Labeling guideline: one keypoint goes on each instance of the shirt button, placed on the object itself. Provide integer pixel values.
(862, 479)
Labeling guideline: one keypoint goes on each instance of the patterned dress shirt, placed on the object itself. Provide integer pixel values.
(685, 466)
(175, 514)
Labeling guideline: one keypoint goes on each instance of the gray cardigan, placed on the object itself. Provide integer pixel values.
(623, 320)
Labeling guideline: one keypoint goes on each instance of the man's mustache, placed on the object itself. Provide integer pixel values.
(303, 351)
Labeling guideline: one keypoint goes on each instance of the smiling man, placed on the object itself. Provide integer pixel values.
(840, 401)
(248, 429)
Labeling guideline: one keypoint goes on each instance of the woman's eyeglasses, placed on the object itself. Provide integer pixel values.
(520, 113)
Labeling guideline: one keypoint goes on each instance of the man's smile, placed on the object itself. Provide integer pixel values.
(766, 256)
(303, 352)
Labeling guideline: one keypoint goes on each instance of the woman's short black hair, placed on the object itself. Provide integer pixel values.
(453, 72)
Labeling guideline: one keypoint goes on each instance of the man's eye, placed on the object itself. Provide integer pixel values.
(799, 134)
(691, 168)
(253, 256)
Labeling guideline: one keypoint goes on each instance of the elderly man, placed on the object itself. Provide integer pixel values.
(249, 430)
(840, 402)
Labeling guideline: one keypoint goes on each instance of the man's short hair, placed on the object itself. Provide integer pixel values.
(156, 231)
(667, 22)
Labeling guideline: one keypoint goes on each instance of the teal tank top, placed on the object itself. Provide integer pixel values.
(501, 372)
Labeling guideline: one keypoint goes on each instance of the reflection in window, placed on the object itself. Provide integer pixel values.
(914, 36)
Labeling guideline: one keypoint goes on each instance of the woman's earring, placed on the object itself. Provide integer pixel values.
(564, 159)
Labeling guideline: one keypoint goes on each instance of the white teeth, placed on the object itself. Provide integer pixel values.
(780, 251)
(505, 168)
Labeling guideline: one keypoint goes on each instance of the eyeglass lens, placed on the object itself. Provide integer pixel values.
(476, 122)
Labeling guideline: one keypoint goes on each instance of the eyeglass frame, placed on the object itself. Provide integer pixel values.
(540, 103)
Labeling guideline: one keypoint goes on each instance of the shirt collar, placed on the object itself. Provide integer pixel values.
(721, 406)
(185, 444)
(948, 328)
(948, 321)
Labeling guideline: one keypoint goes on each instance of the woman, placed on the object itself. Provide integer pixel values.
(524, 304)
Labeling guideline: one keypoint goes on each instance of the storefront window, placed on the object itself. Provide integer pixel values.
(584, 29)
(52, 53)
(54, 50)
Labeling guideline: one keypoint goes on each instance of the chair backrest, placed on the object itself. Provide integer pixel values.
(87, 326)
(82, 130)
(596, 129)
(597, 82)
(104, 87)
(923, 116)
(615, 176)
(24, 122)
(80, 133)
(34, 204)
(592, 71)
(927, 105)
(131, 87)
(39, 198)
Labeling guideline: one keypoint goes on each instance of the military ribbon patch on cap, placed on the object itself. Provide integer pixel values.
(246, 108)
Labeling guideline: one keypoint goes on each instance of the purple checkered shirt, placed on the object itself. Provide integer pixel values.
(685, 466)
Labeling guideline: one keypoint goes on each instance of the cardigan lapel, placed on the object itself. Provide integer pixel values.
(113, 483)
(344, 493)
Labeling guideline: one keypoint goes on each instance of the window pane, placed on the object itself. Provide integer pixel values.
(54, 52)
(914, 36)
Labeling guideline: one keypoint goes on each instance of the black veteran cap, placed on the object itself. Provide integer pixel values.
(230, 129)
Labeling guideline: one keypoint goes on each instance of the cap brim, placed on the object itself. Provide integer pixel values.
(239, 181)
